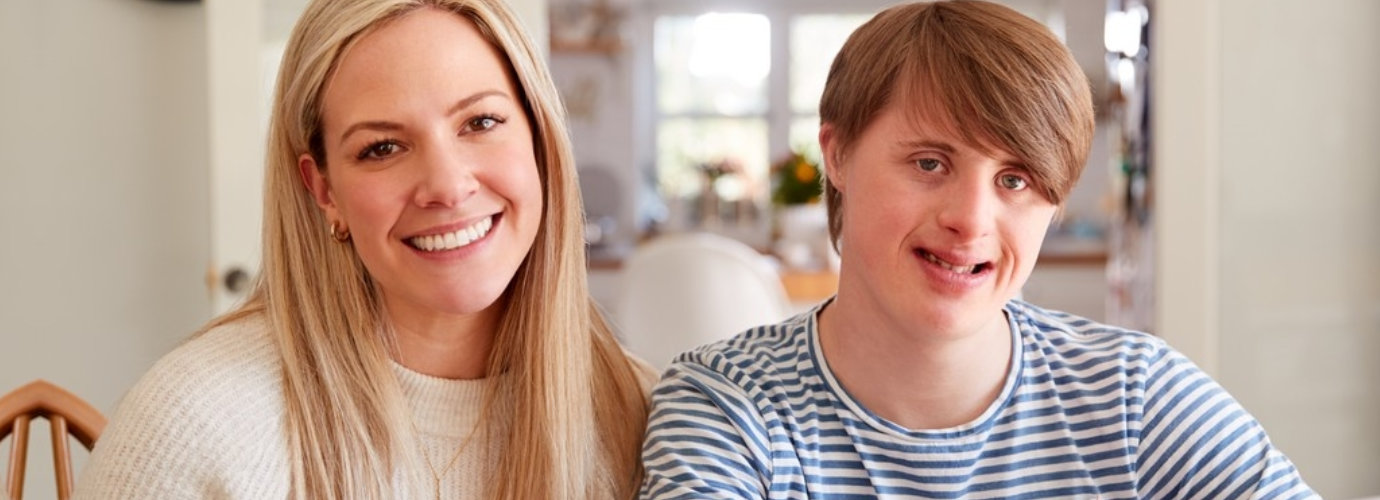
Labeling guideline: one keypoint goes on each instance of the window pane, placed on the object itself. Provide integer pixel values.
(815, 39)
(712, 63)
(805, 137)
(686, 146)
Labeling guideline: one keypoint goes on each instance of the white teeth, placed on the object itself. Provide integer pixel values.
(960, 270)
(454, 239)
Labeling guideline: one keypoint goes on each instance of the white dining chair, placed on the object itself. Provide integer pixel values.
(683, 290)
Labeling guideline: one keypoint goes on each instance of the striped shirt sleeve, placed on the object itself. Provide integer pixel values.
(1198, 442)
(705, 439)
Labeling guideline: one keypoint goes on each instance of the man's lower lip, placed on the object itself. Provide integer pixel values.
(927, 256)
(950, 279)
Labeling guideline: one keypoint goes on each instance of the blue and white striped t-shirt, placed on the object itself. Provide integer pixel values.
(1087, 411)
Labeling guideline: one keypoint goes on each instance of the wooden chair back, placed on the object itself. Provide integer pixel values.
(66, 415)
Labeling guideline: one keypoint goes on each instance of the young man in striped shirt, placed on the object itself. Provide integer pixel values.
(951, 133)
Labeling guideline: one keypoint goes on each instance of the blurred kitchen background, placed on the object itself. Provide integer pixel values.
(1231, 203)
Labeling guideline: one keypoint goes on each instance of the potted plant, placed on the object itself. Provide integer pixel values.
(796, 180)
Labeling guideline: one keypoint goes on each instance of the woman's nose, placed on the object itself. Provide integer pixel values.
(446, 177)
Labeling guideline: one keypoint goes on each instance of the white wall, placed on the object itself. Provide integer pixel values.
(102, 189)
(1300, 245)
(1283, 277)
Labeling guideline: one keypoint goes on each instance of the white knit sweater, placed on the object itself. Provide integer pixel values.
(208, 422)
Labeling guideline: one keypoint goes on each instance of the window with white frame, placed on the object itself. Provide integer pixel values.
(734, 90)
(734, 87)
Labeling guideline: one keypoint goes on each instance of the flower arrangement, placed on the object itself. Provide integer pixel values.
(796, 180)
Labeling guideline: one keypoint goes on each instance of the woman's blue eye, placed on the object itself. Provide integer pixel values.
(928, 164)
(1013, 182)
(482, 123)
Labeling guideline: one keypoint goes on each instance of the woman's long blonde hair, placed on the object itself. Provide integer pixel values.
(575, 400)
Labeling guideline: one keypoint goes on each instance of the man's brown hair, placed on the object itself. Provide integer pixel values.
(995, 77)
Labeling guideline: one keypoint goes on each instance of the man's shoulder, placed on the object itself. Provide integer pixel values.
(1074, 332)
(756, 356)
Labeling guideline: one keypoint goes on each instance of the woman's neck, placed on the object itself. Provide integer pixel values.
(916, 381)
(445, 346)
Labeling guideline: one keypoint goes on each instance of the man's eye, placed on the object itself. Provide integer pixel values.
(928, 164)
(378, 150)
(1013, 182)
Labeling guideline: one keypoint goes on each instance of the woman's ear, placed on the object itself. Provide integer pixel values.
(829, 151)
(314, 179)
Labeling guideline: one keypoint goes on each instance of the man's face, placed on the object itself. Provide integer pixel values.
(937, 233)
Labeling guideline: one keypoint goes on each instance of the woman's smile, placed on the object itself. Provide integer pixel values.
(454, 239)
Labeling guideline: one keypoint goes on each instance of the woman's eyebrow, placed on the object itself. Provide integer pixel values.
(476, 97)
(384, 125)
(369, 125)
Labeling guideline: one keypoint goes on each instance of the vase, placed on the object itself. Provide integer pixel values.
(803, 235)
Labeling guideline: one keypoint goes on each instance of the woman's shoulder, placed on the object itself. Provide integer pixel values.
(219, 367)
(212, 379)
(645, 373)
(204, 414)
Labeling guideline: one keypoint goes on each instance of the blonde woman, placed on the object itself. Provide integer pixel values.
(421, 327)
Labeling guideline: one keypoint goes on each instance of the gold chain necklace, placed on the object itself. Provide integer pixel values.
(426, 456)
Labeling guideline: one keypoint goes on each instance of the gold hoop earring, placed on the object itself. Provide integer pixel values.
(341, 235)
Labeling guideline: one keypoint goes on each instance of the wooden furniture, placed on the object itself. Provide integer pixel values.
(809, 287)
(66, 414)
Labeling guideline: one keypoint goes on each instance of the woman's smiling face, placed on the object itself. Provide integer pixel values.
(429, 163)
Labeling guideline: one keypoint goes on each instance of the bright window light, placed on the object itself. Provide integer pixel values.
(736, 46)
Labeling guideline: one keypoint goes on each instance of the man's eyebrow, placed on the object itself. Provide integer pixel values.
(931, 144)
